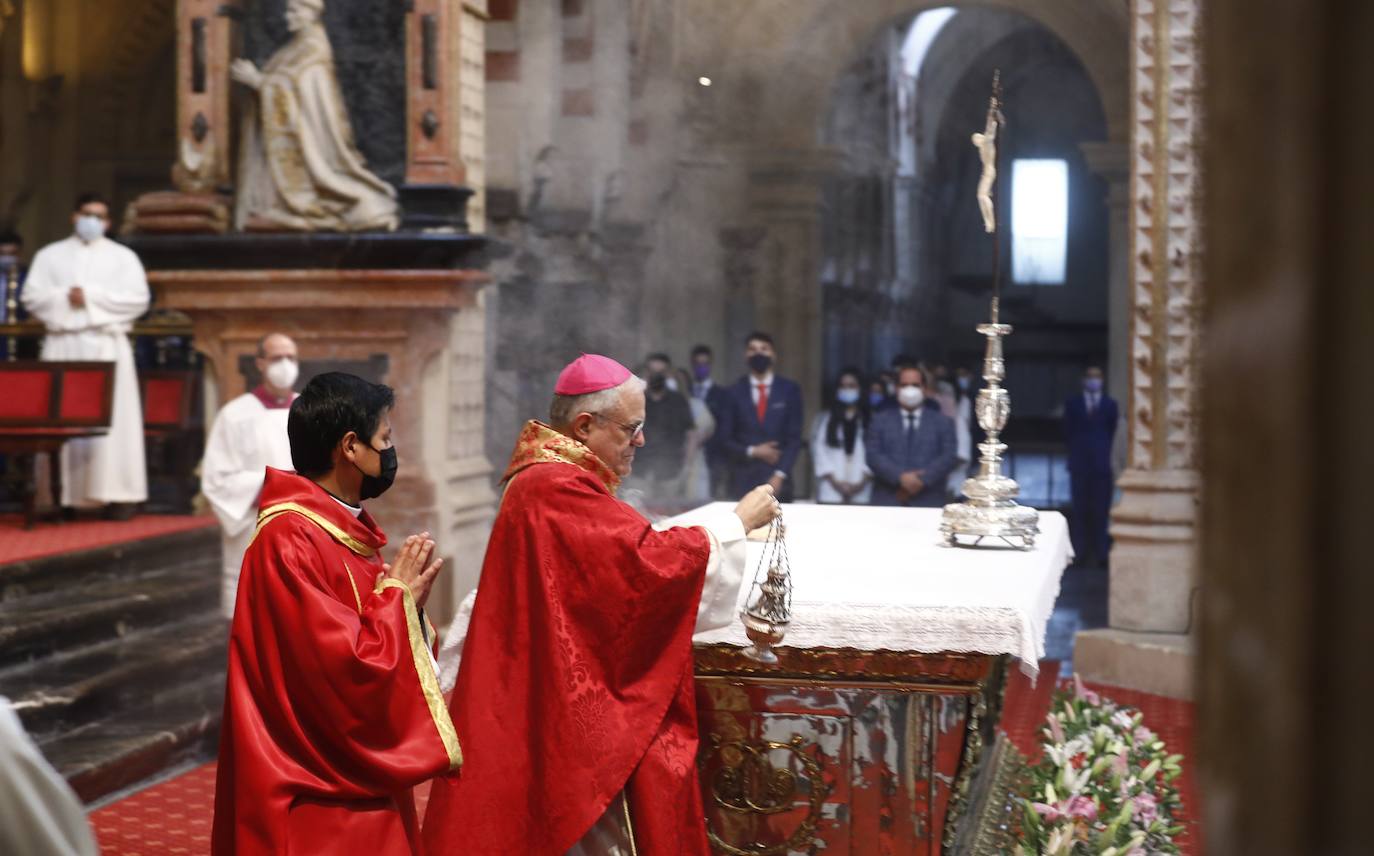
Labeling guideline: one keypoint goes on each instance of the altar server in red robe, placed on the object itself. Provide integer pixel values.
(332, 710)
(574, 697)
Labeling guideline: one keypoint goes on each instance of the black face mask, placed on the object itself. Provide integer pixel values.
(657, 382)
(760, 363)
(374, 486)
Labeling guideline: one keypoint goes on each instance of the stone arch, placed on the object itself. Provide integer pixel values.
(782, 75)
(774, 77)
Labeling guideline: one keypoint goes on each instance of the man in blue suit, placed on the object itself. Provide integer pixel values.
(1090, 419)
(910, 448)
(761, 423)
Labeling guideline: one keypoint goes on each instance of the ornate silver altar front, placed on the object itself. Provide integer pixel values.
(990, 510)
(843, 752)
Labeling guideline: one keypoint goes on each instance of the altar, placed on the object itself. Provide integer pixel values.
(865, 737)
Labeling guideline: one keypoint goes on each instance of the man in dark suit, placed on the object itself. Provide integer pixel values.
(1090, 419)
(911, 448)
(761, 425)
(716, 399)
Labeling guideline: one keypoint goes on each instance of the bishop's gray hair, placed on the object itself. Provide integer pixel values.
(566, 407)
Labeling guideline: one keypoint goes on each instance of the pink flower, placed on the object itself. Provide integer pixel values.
(1056, 730)
(1120, 765)
(1082, 693)
(1081, 806)
(1073, 807)
(1146, 809)
(1143, 736)
(1047, 812)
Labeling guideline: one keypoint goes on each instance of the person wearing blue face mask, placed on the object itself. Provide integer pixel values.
(878, 399)
(1090, 418)
(837, 445)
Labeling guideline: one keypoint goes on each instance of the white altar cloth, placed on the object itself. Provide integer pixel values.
(877, 578)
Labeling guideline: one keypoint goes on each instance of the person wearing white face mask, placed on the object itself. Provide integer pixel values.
(910, 448)
(837, 445)
(88, 290)
(249, 435)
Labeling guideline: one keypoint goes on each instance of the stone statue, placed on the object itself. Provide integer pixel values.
(298, 166)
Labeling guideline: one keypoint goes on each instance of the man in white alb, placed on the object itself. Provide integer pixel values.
(248, 436)
(87, 290)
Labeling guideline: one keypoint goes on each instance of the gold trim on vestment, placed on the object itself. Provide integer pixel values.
(273, 511)
(356, 599)
(629, 823)
(424, 669)
(540, 444)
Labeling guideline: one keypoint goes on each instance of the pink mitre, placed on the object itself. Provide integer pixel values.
(590, 373)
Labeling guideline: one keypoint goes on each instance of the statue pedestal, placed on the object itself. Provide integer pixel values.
(421, 331)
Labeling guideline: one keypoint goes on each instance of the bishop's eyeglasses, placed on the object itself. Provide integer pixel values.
(634, 429)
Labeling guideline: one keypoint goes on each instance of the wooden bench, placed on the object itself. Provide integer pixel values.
(42, 406)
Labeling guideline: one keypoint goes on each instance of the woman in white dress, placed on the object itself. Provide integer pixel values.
(837, 445)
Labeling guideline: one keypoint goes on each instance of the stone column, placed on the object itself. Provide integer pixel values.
(1153, 560)
(203, 129)
(785, 201)
(203, 147)
(1111, 161)
(1284, 748)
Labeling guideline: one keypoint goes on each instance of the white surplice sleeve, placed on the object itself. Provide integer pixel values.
(724, 570)
(44, 296)
(451, 652)
(122, 295)
(228, 481)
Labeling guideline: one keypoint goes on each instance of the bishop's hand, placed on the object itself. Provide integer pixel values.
(413, 567)
(246, 73)
(758, 508)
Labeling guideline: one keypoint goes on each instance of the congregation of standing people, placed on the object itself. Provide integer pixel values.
(900, 435)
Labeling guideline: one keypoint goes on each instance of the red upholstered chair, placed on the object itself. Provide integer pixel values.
(172, 425)
(169, 399)
(45, 404)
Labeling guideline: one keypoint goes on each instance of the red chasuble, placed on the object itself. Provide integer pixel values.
(576, 678)
(332, 710)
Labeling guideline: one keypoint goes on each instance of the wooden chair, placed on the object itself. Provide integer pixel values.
(45, 404)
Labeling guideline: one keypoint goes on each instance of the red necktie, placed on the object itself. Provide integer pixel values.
(763, 401)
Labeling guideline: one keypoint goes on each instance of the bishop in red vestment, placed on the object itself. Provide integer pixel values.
(574, 699)
(332, 711)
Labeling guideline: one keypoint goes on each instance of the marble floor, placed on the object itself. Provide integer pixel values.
(1082, 605)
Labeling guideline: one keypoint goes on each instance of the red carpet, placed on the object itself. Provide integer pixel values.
(174, 817)
(52, 539)
(171, 818)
